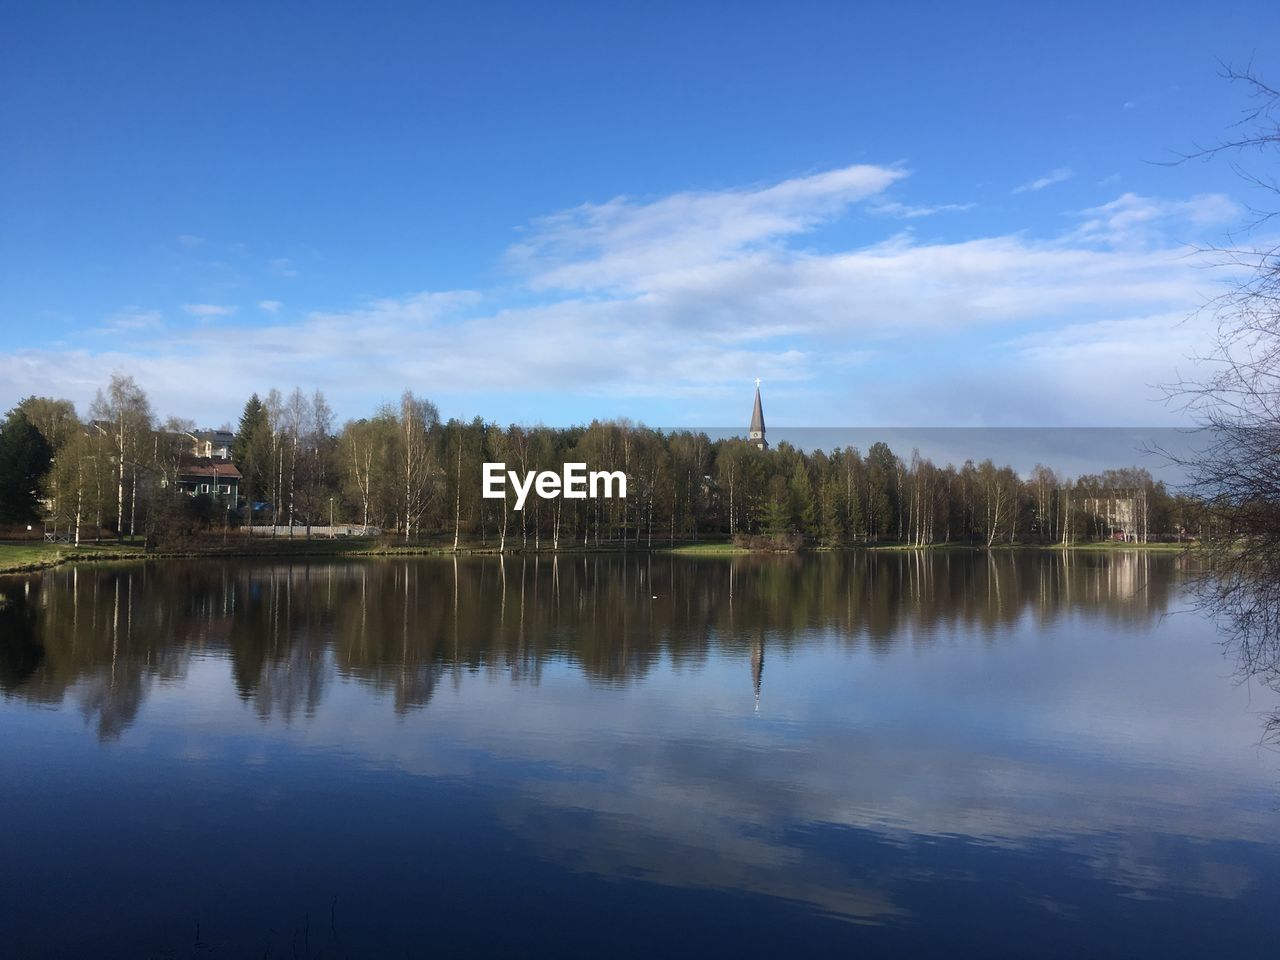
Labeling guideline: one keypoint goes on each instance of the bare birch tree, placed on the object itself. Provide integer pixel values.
(418, 417)
(1236, 470)
(123, 413)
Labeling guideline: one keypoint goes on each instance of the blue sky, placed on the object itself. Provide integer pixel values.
(928, 215)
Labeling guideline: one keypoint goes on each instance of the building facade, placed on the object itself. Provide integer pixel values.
(212, 444)
(209, 476)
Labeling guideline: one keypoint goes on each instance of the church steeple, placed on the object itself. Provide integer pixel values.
(756, 434)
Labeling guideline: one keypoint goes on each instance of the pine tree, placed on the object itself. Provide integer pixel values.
(777, 519)
(804, 508)
(253, 419)
(25, 457)
(833, 521)
(251, 451)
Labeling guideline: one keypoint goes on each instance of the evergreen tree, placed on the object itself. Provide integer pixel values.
(777, 519)
(804, 509)
(251, 451)
(25, 458)
(833, 520)
(253, 419)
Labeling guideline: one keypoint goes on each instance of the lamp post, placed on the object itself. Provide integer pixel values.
(331, 533)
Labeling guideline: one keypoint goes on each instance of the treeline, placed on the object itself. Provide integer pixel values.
(407, 472)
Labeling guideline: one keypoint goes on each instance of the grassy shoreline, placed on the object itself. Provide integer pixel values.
(715, 548)
(31, 557)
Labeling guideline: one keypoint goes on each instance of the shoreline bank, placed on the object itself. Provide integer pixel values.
(16, 558)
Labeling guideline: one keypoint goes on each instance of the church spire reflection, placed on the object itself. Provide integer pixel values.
(757, 667)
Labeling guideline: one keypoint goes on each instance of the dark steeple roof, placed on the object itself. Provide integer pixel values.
(757, 414)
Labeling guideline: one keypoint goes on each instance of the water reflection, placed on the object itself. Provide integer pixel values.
(105, 635)
(1242, 595)
(951, 741)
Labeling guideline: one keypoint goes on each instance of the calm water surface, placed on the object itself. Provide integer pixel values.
(892, 755)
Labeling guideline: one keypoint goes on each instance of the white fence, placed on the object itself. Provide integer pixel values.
(313, 532)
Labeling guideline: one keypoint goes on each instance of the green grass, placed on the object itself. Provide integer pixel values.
(36, 556)
(704, 550)
(16, 558)
(24, 557)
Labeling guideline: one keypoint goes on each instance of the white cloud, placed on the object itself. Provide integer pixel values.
(623, 244)
(1106, 372)
(133, 319)
(208, 309)
(1134, 219)
(283, 266)
(908, 212)
(1048, 180)
(682, 300)
(189, 241)
(906, 778)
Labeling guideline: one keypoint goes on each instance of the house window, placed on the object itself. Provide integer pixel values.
(224, 488)
(204, 488)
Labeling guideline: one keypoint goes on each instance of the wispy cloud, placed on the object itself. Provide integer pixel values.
(208, 309)
(627, 244)
(908, 212)
(283, 266)
(134, 318)
(1132, 219)
(681, 300)
(1048, 180)
(190, 241)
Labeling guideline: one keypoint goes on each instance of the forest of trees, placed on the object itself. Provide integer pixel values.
(415, 476)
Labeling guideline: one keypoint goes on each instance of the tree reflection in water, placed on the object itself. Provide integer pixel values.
(1243, 599)
(105, 635)
(943, 747)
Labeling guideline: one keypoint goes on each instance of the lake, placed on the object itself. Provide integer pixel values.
(1016, 754)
